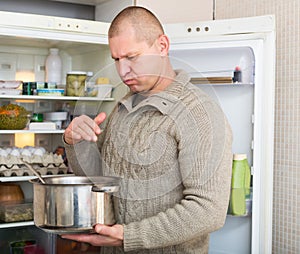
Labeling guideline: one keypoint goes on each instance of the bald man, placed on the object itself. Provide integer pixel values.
(169, 143)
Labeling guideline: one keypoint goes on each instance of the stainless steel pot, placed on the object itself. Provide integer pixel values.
(73, 204)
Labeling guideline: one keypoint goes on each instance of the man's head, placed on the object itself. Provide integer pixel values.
(140, 50)
(145, 24)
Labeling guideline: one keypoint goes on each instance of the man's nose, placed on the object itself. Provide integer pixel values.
(124, 67)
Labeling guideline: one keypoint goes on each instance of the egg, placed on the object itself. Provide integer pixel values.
(3, 152)
(15, 152)
(26, 152)
(38, 152)
(8, 150)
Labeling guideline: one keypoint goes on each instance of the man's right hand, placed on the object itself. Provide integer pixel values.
(84, 128)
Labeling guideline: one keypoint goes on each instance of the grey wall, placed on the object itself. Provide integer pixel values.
(51, 8)
(108, 10)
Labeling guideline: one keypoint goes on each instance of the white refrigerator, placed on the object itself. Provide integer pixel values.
(211, 51)
(208, 51)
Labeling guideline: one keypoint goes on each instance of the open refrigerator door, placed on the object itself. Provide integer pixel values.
(234, 62)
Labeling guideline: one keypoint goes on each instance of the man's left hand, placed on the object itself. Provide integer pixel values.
(103, 236)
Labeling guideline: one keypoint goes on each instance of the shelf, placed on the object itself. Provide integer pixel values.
(223, 84)
(239, 216)
(32, 131)
(62, 98)
(17, 224)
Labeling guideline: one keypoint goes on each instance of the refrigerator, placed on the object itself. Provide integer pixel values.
(208, 51)
(213, 52)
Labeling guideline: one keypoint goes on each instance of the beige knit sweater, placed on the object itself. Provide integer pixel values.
(173, 153)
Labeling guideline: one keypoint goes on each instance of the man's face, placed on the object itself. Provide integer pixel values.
(138, 64)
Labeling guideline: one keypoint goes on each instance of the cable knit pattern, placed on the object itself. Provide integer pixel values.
(173, 154)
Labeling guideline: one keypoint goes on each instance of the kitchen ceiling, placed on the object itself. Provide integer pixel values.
(87, 2)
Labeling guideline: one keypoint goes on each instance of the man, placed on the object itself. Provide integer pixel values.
(168, 142)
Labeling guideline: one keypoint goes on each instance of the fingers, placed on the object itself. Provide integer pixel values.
(115, 231)
(83, 128)
(94, 239)
(100, 118)
(103, 236)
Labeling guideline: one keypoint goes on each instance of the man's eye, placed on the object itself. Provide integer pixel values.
(131, 58)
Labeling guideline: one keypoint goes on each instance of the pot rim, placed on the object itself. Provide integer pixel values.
(80, 181)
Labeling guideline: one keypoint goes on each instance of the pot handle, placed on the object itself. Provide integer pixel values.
(107, 189)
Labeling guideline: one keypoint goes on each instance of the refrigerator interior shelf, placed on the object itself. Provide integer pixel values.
(63, 98)
(236, 84)
(32, 131)
(239, 216)
(16, 224)
(212, 80)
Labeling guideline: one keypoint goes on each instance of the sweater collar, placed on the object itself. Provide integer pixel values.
(164, 100)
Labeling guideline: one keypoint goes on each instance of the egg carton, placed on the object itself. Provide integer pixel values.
(24, 171)
(45, 160)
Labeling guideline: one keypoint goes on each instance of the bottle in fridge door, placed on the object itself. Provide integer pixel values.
(240, 185)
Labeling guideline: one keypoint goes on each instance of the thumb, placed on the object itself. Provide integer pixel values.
(100, 118)
(116, 231)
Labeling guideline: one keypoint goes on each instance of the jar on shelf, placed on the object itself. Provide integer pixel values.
(53, 66)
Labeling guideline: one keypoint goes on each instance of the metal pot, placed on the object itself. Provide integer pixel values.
(71, 204)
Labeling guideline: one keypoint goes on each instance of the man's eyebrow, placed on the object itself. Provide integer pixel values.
(132, 53)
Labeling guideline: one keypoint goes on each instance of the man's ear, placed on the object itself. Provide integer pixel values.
(164, 44)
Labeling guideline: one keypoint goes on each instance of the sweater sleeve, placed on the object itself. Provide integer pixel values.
(205, 160)
(85, 158)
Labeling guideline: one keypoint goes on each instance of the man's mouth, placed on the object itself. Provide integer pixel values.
(129, 82)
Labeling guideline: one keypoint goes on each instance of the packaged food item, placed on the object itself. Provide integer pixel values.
(37, 117)
(12, 211)
(41, 85)
(75, 85)
(10, 91)
(50, 92)
(29, 88)
(102, 80)
(237, 75)
(10, 84)
(104, 91)
(24, 246)
(101, 89)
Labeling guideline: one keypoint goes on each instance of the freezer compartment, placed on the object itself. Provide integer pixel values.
(216, 65)
(27, 63)
(236, 99)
